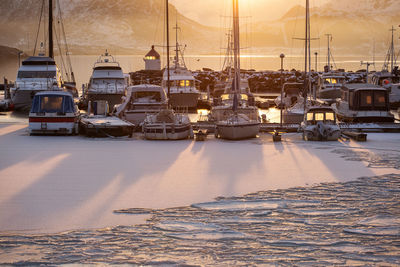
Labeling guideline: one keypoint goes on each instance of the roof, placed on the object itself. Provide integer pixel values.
(363, 86)
(60, 93)
(153, 53)
(145, 87)
(38, 61)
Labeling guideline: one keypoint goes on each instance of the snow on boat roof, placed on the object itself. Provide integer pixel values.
(363, 86)
(145, 87)
(61, 93)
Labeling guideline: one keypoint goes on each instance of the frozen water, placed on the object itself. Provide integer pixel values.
(353, 223)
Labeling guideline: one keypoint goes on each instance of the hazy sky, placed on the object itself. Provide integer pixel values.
(209, 12)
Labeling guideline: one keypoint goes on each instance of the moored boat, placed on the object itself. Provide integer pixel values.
(53, 112)
(363, 102)
(320, 124)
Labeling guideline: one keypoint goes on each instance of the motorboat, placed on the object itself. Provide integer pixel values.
(53, 112)
(167, 125)
(141, 100)
(182, 88)
(363, 102)
(329, 85)
(107, 81)
(36, 74)
(320, 124)
(391, 82)
(292, 103)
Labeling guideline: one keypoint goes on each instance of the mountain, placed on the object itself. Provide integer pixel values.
(122, 26)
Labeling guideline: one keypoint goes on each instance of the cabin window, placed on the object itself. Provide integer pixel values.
(310, 116)
(51, 103)
(37, 74)
(185, 83)
(379, 99)
(155, 96)
(329, 116)
(365, 99)
(319, 116)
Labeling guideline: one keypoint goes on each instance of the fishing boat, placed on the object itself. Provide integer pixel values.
(183, 92)
(236, 125)
(320, 124)
(107, 81)
(363, 102)
(141, 100)
(167, 124)
(53, 112)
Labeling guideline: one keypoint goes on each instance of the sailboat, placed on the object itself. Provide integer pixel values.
(166, 124)
(237, 125)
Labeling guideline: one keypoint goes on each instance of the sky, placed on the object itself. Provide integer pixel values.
(209, 12)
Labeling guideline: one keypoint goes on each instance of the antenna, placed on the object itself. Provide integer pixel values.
(368, 64)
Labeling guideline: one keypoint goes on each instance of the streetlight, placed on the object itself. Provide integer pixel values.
(281, 56)
(316, 61)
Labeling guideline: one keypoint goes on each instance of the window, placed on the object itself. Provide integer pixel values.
(365, 99)
(150, 57)
(185, 83)
(319, 116)
(310, 116)
(37, 74)
(51, 103)
(329, 116)
(150, 95)
(379, 99)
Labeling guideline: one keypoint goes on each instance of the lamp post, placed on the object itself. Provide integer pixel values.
(316, 61)
(281, 107)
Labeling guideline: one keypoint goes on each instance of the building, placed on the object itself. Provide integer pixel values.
(152, 60)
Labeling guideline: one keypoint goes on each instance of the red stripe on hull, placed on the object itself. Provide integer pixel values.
(49, 119)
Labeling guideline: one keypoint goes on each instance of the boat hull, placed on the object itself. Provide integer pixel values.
(167, 131)
(184, 100)
(329, 93)
(22, 99)
(237, 131)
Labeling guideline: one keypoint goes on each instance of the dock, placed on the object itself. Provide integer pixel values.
(105, 126)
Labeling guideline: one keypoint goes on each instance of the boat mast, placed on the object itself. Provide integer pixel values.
(329, 36)
(392, 50)
(51, 55)
(306, 48)
(168, 82)
(236, 46)
(176, 42)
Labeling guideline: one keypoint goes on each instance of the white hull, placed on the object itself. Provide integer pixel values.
(311, 133)
(237, 131)
(22, 99)
(53, 128)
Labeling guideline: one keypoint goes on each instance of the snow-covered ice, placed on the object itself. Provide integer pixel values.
(58, 183)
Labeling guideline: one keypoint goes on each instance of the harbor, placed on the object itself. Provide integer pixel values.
(118, 147)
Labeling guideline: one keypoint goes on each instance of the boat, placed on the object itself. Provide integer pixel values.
(320, 124)
(107, 81)
(329, 85)
(167, 124)
(53, 112)
(36, 74)
(363, 102)
(183, 92)
(141, 100)
(233, 123)
(292, 102)
(391, 82)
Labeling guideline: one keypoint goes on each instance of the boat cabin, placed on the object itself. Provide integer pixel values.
(363, 96)
(53, 112)
(383, 78)
(323, 114)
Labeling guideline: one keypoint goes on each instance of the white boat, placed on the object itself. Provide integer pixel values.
(391, 82)
(237, 127)
(329, 85)
(183, 92)
(36, 74)
(53, 112)
(320, 124)
(107, 81)
(141, 100)
(292, 103)
(237, 119)
(167, 125)
(363, 102)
